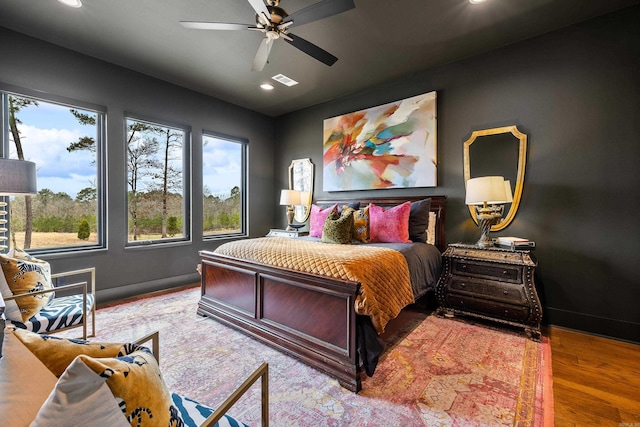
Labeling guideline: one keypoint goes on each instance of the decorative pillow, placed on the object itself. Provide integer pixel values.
(80, 398)
(431, 230)
(390, 225)
(24, 274)
(58, 353)
(361, 225)
(419, 220)
(338, 228)
(135, 382)
(11, 310)
(318, 216)
(353, 205)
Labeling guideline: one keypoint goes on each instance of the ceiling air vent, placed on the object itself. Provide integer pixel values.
(281, 78)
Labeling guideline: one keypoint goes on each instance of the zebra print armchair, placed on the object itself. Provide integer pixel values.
(71, 306)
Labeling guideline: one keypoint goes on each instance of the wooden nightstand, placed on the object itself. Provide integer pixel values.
(274, 232)
(490, 283)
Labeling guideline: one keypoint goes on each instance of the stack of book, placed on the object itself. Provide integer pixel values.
(515, 243)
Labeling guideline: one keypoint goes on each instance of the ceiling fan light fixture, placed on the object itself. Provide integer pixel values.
(277, 14)
(71, 3)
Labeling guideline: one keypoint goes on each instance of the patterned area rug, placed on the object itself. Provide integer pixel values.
(435, 371)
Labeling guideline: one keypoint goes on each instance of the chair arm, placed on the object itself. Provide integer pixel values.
(82, 285)
(91, 286)
(261, 372)
(155, 345)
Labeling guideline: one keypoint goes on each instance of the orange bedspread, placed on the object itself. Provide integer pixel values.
(383, 273)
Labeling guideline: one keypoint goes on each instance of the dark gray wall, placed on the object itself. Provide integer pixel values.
(575, 93)
(120, 272)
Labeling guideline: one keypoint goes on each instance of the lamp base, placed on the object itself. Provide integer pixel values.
(485, 228)
(293, 227)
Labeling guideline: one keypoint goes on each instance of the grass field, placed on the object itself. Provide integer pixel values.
(51, 240)
(48, 240)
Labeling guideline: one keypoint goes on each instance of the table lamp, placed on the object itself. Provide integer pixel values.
(290, 198)
(488, 194)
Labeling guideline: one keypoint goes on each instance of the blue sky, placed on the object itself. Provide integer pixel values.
(45, 132)
(48, 129)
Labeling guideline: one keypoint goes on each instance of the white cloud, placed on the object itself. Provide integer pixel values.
(57, 169)
(221, 168)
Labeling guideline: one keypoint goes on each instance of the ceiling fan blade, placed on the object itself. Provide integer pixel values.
(215, 25)
(311, 49)
(262, 55)
(319, 10)
(260, 8)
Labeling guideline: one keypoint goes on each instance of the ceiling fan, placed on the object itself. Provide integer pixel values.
(275, 23)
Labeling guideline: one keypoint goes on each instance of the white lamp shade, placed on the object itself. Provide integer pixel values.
(507, 191)
(290, 197)
(305, 198)
(489, 189)
(17, 177)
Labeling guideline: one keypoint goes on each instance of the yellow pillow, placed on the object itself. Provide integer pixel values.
(361, 225)
(25, 274)
(58, 353)
(136, 383)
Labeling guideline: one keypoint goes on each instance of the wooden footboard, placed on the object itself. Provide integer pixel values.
(307, 316)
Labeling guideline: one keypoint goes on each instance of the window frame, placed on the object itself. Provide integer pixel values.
(187, 207)
(244, 187)
(101, 159)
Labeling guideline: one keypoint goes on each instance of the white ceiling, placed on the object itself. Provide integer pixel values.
(376, 42)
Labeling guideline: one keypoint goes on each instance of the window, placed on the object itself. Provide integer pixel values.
(157, 181)
(223, 185)
(65, 139)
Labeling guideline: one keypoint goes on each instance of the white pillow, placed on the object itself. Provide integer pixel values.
(431, 229)
(80, 398)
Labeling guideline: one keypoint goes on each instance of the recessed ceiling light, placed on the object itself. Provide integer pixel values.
(476, 1)
(281, 78)
(71, 3)
(266, 86)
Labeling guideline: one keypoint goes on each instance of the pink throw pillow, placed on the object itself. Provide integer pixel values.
(390, 225)
(318, 218)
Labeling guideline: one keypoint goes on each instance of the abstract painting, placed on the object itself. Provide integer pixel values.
(388, 146)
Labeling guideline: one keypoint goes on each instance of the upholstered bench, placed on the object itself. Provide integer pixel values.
(83, 383)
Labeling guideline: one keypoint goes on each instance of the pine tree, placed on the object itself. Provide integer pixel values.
(83, 230)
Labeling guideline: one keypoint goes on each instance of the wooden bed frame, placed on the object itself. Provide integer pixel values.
(307, 316)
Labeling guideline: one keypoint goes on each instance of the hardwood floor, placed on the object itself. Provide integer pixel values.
(596, 381)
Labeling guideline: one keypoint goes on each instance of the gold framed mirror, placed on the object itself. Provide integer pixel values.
(502, 152)
(301, 179)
